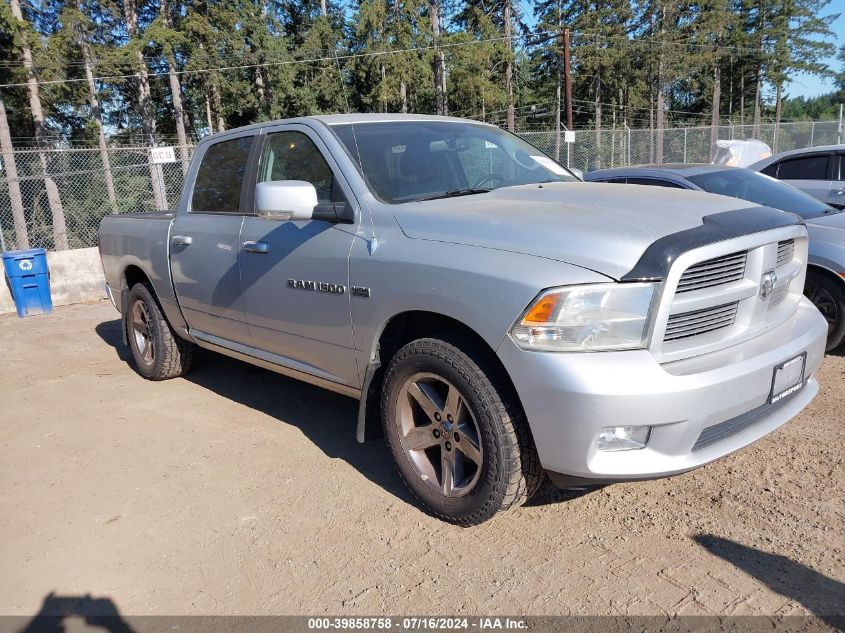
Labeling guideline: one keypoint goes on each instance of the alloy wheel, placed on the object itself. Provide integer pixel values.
(822, 298)
(439, 435)
(141, 333)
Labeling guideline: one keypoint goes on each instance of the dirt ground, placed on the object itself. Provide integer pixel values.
(237, 491)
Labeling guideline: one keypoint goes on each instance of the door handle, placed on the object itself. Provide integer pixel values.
(181, 240)
(256, 247)
(838, 192)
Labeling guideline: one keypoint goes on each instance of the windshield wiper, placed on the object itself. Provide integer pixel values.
(466, 191)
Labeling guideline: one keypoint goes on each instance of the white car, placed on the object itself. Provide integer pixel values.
(818, 171)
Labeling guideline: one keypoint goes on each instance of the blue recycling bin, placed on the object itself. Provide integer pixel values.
(29, 280)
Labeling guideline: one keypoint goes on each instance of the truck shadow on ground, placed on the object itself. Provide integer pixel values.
(98, 613)
(822, 596)
(325, 418)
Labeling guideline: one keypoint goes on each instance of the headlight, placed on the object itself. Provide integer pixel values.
(587, 318)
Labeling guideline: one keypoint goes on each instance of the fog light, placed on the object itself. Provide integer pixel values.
(623, 438)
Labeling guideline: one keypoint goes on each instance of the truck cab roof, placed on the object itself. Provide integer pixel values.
(343, 119)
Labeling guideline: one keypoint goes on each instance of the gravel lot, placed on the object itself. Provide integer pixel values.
(238, 491)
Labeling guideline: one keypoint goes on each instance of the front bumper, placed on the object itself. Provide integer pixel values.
(569, 397)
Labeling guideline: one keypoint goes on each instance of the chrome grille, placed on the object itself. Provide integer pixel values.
(700, 321)
(786, 251)
(717, 300)
(713, 272)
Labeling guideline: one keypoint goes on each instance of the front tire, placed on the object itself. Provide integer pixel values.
(456, 431)
(828, 295)
(159, 353)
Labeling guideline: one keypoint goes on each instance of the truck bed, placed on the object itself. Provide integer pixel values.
(142, 240)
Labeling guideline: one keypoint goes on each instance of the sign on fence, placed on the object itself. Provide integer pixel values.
(568, 137)
(163, 155)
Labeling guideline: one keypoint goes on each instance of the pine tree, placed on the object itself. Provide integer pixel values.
(474, 62)
(25, 37)
(7, 50)
(713, 21)
(397, 79)
(135, 48)
(547, 57)
(318, 86)
(505, 17)
(208, 27)
(74, 44)
(164, 32)
(437, 19)
(840, 76)
(798, 27)
(664, 25)
(600, 53)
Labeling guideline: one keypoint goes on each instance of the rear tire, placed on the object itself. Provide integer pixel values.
(456, 431)
(159, 353)
(828, 295)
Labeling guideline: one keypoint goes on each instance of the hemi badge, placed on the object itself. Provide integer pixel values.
(360, 291)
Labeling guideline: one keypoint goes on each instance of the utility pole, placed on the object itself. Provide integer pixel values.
(567, 79)
(839, 129)
(507, 18)
(661, 80)
(557, 120)
(557, 91)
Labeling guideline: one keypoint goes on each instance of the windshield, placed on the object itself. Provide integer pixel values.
(754, 187)
(403, 161)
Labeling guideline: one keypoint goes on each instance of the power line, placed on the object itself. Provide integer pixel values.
(545, 35)
(641, 108)
(311, 60)
(581, 110)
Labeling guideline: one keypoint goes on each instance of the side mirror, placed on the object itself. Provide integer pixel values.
(576, 172)
(285, 200)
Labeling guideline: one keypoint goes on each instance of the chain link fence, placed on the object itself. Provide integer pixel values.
(89, 185)
(620, 147)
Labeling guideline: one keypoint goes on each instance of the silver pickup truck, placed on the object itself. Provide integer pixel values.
(498, 319)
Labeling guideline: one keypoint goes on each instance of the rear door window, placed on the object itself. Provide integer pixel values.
(771, 170)
(219, 181)
(804, 168)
